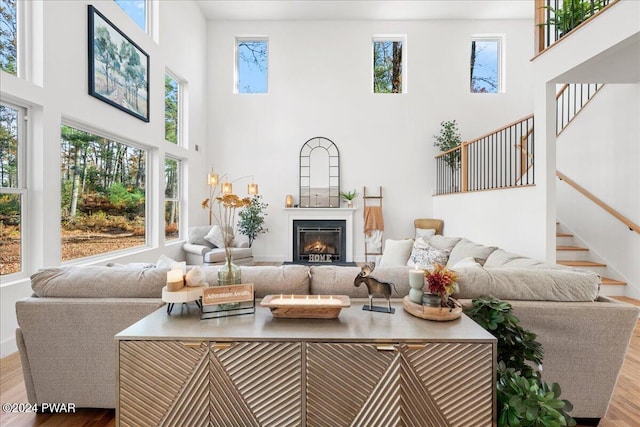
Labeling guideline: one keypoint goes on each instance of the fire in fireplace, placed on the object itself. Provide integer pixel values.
(319, 241)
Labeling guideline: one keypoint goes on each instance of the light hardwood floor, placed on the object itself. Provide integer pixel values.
(624, 410)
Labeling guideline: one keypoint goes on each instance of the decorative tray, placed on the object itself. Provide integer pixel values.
(306, 306)
(431, 313)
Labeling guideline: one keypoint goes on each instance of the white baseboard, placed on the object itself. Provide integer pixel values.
(8, 347)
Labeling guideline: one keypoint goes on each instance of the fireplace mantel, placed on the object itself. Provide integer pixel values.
(320, 213)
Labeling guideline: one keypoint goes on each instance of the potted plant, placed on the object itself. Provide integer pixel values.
(348, 197)
(572, 13)
(251, 222)
(523, 398)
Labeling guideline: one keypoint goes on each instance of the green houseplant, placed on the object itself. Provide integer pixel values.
(448, 139)
(251, 222)
(572, 13)
(348, 196)
(523, 398)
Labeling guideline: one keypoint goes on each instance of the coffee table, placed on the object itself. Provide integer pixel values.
(362, 368)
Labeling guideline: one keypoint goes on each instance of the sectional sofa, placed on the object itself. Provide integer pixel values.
(66, 329)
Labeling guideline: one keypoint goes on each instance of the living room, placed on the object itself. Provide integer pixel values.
(319, 84)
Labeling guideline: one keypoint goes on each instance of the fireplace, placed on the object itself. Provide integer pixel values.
(319, 241)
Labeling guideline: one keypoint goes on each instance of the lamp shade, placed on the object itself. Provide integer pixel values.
(227, 188)
(212, 179)
(252, 189)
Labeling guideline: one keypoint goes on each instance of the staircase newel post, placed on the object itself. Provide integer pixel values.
(464, 167)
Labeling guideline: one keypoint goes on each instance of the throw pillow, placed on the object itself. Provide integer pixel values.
(396, 252)
(445, 243)
(427, 233)
(165, 262)
(466, 262)
(195, 277)
(214, 236)
(423, 255)
(466, 248)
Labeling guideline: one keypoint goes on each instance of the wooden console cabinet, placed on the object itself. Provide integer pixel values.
(362, 369)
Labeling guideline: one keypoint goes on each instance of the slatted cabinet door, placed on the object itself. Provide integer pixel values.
(164, 383)
(433, 384)
(256, 384)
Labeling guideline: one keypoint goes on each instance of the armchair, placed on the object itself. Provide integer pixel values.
(199, 251)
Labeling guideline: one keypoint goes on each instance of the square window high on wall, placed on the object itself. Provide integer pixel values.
(486, 63)
(137, 10)
(252, 65)
(389, 64)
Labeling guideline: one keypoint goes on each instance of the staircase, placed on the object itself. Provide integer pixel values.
(572, 252)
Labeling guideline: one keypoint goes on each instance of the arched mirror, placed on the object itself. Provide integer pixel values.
(319, 174)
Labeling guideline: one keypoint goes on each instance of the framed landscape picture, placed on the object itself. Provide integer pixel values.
(118, 68)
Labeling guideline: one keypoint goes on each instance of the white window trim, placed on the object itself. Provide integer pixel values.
(21, 189)
(501, 59)
(392, 38)
(236, 76)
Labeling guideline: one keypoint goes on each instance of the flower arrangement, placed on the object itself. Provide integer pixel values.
(442, 281)
(228, 203)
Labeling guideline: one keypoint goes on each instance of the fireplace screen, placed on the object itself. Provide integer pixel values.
(319, 241)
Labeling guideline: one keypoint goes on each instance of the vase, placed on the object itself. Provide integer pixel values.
(350, 203)
(229, 274)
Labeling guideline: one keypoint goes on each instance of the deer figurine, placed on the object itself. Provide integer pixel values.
(374, 286)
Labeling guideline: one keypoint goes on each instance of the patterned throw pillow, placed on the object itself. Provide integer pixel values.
(424, 255)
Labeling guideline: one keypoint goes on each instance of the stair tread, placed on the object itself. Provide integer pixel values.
(608, 281)
(627, 300)
(581, 263)
(564, 235)
(571, 248)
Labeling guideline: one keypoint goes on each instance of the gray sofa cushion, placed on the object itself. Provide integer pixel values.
(500, 257)
(269, 280)
(218, 255)
(444, 243)
(99, 282)
(527, 284)
(465, 248)
(335, 280)
(195, 235)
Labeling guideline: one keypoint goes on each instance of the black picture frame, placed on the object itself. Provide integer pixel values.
(118, 67)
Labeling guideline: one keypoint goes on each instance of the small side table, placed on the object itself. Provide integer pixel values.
(184, 295)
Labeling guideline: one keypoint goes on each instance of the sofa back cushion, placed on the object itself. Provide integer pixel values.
(269, 280)
(528, 284)
(195, 235)
(465, 248)
(336, 280)
(99, 282)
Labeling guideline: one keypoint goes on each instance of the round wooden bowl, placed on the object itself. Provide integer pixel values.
(439, 314)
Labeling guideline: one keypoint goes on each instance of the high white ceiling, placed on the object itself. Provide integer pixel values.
(301, 10)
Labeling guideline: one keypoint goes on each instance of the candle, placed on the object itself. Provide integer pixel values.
(175, 280)
(416, 278)
(289, 201)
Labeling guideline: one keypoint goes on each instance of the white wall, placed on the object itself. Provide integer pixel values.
(320, 85)
(64, 94)
(601, 152)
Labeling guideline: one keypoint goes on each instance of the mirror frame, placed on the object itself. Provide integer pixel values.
(319, 197)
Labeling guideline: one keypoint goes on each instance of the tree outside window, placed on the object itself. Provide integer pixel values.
(12, 190)
(485, 66)
(387, 66)
(9, 36)
(102, 194)
(171, 198)
(252, 64)
(171, 108)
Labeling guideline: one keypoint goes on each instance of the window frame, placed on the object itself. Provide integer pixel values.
(150, 199)
(390, 38)
(22, 188)
(236, 69)
(177, 199)
(500, 38)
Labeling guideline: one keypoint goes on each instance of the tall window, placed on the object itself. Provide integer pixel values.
(12, 188)
(252, 64)
(171, 108)
(103, 194)
(9, 36)
(171, 198)
(137, 10)
(388, 65)
(485, 65)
